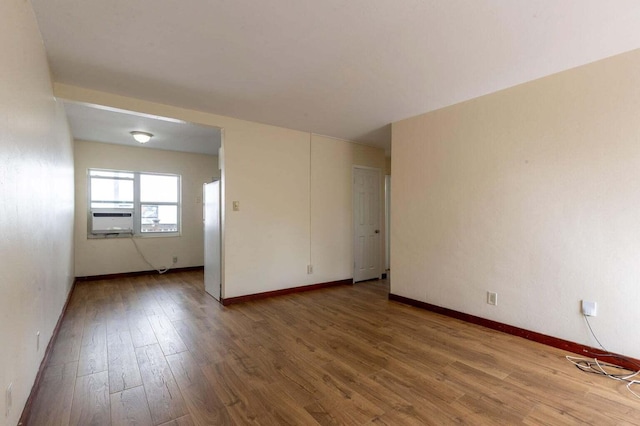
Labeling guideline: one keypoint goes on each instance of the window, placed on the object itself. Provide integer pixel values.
(154, 198)
(111, 189)
(159, 195)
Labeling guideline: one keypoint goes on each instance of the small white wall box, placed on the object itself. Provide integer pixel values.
(589, 309)
(111, 221)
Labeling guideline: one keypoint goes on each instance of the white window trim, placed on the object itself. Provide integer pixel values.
(137, 206)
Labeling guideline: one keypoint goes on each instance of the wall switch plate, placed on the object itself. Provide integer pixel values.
(589, 309)
(492, 298)
(309, 269)
(236, 206)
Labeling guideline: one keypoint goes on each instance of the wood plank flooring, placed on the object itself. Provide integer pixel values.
(157, 350)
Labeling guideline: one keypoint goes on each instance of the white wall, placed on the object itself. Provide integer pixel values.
(268, 243)
(36, 207)
(531, 192)
(116, 255)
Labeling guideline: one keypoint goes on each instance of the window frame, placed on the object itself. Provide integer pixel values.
(136, 207)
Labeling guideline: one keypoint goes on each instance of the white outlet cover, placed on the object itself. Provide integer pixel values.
(589, 309)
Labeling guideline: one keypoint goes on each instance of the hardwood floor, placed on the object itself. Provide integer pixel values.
(157, 350)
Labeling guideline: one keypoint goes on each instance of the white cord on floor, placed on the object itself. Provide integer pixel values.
(587, 365)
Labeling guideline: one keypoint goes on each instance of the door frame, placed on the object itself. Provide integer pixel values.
(353, 217)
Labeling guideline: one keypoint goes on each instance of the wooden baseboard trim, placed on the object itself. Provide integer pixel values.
(136, 274)
(576, 348)
(26, 411)
(266, 294)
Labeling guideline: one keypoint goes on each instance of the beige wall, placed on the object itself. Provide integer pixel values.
(332, 162)
(297, 209)
(116, 255)
(531, 192)
(269, 242)
(36, 183)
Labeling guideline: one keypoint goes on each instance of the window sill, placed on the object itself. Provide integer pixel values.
(141, 236)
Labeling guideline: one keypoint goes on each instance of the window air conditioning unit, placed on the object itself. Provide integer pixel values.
(111, 221)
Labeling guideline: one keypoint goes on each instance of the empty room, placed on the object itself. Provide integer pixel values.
(338, 212)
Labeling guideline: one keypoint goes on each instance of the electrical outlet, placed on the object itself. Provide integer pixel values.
(589, 309)
(309, 269)
(38, 341)
(492, 298)
(8, 399)
(175, 259)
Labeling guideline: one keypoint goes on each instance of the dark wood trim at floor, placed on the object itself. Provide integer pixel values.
(26, 411)
(576, 348)
(257, 296)
(137, 274)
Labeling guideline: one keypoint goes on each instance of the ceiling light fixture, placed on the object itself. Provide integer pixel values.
(142, 137)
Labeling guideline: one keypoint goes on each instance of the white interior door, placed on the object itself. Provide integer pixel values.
(211, 216)
(366, 224)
